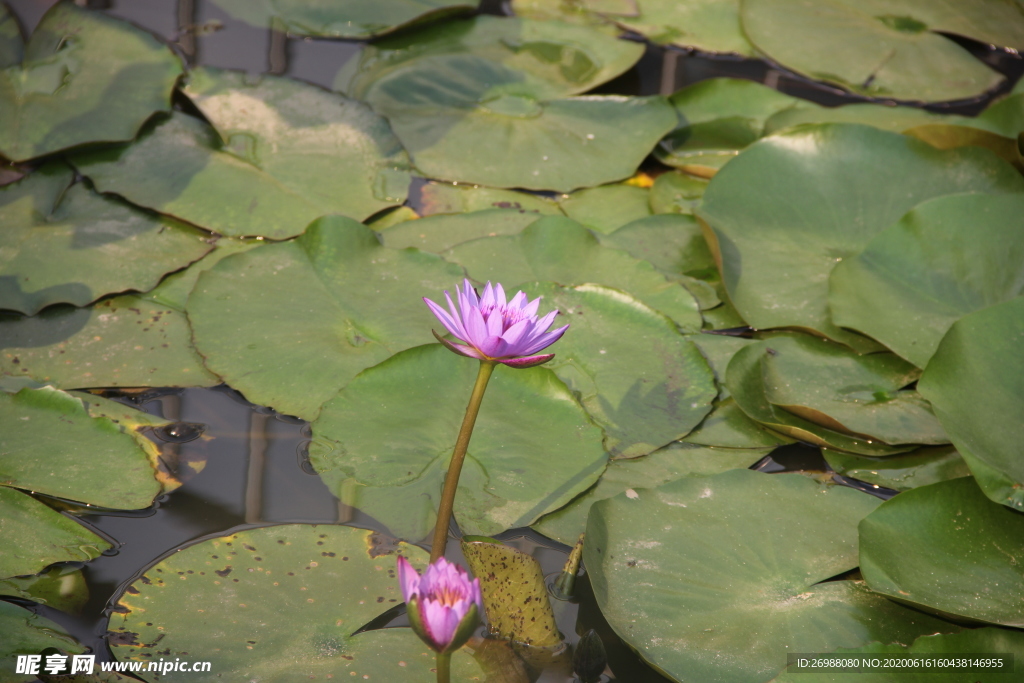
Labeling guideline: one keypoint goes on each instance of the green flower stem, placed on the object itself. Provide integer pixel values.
(451, 480)
(444, 666)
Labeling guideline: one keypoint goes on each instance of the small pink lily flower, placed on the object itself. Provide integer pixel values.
(444, 605)
(496, 330)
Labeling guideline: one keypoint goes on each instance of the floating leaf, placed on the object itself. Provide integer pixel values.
(35, 536)
(901, 472)
(514, 591)
(225, 597)
(454, 198)
(885, 48)
(26, 633)
(127, 341)
(646, 387)
(973, 383)
(63, 243)
(719, 118)
(941, 645)
(440, 232)
(745, 379)
(675, 461)
(174, 289)
(538, 253)
(693, 569)
(822, 193)
(12, 46)
(350, 19)
(896, 119)
(86, 77)
(944, 259)
(61, 587)
(607, 208)
(708, 25)
(388, 431)
(863, 396)
(500, 87)
(282, 325)
(947, 547)
(50, 444)
(676, 192)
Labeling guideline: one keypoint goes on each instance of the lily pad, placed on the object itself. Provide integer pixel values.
(533, 448)
(676, 192)
(289, 324)
(719, 118)
(51, 445)
(885, 48)
(501, 85)
(26, 633)
(538, 253)
(319, 151)
(745, 380)
(727, 426)
(86, 77)
(179, 166)
(691, 575)
(947, 547)
(174, 289)
(896, 119)
(946, 258)
(514, 591)
(348, 19)
(646, 387)
(973, 383)
(863, 396)
(127, 341)
(61, 587)
(941, 645)
(675, 461)
(225, 597)
(440, 232)
(672, 242)
(63, 243)
(12, 46)
(607, 208)
(438, 197)
(901, 472)
(795, 204)
(35, 536)
(707, 25)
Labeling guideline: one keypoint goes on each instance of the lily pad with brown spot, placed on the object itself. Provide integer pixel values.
(276, 603)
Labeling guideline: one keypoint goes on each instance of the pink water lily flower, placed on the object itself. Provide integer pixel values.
(444, 604)
(496, 330)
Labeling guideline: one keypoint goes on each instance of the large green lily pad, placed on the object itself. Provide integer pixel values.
(50, 444)
(393, 428)
(12, 46)
(26, 633)
(947, 547)
(946, 258)
(719, 118)
(974, 642)
(973, 383)
(708, 25)
(36, 536)
(885, 48)
(265, 604)
(676, 192)
(711, 578)
(745, 380)
(440, 232)
(500, 87)
(126, 341)
(63, 243)
(901, 472)
(180, 166)
(539, 253)
(289, 324)
(641, 381)
(347, 19)
(607, 208)
(174, 289)
(863, 396)
(793, 205)
(86, 77)
(675, 461)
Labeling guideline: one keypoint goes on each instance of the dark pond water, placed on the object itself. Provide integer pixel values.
(256, 473)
